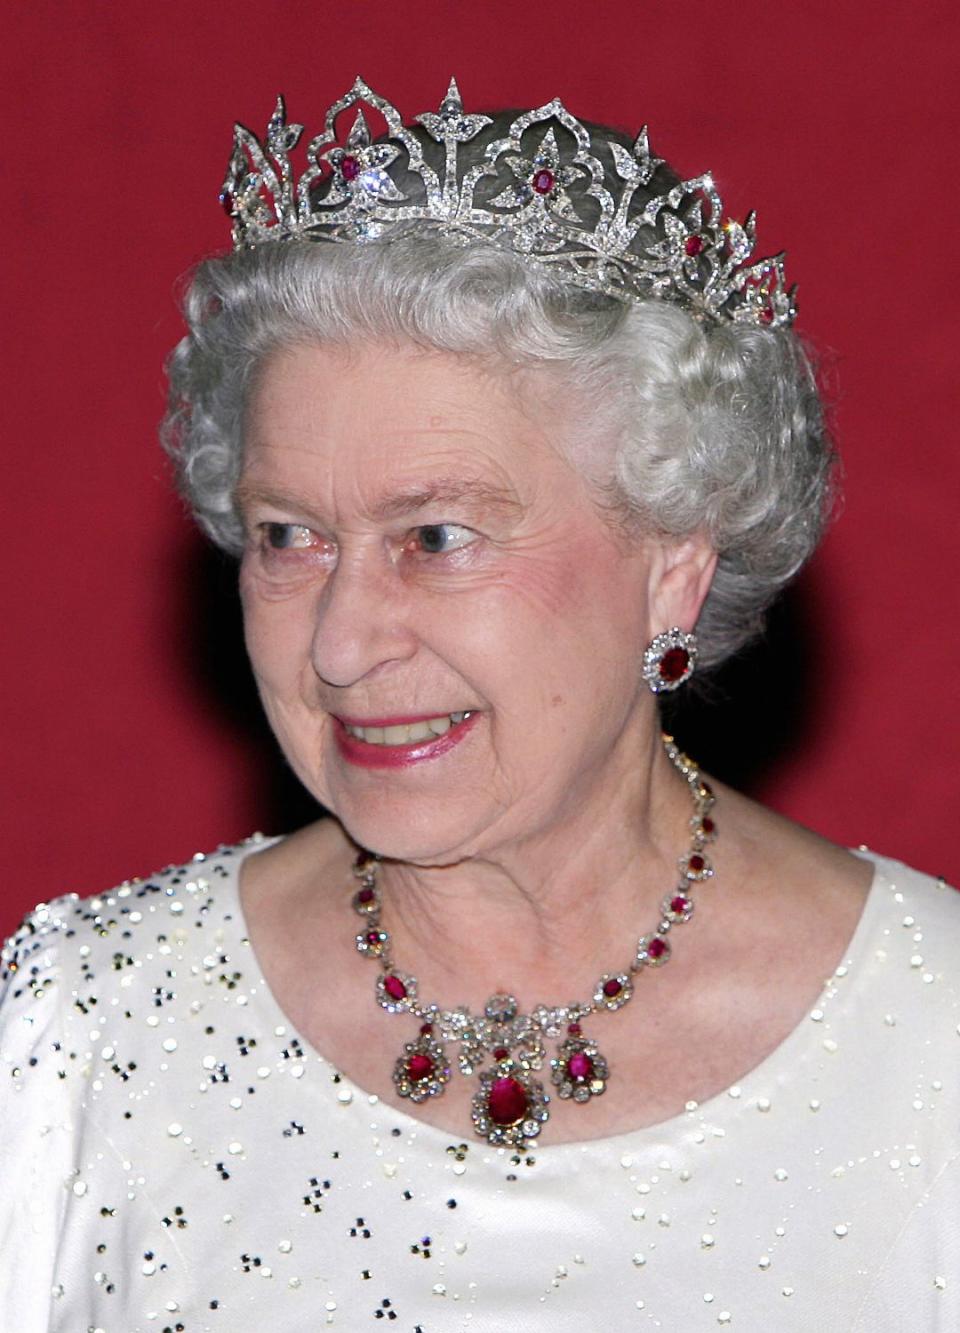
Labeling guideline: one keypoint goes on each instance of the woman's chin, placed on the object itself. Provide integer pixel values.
(426, 833)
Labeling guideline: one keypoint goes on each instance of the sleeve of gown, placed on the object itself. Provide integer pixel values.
(918, 1285)
(36, 1133)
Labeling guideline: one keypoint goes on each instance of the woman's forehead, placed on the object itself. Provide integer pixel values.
(405, 429)
(423, 388)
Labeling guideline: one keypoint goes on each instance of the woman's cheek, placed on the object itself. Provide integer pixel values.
(552, 581)
(278, 631)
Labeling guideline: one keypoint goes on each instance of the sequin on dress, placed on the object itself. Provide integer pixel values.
(174, 1159)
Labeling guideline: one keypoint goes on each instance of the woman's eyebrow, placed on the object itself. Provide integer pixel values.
(405, 500)
(248, 493)
(448, 491)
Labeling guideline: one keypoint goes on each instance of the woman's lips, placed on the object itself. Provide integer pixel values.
(385, 751)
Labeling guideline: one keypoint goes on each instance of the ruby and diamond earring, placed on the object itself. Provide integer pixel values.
(670, 659)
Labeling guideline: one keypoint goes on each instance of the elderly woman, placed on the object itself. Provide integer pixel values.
(510, 435)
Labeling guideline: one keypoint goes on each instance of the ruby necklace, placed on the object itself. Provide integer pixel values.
(509, 1106)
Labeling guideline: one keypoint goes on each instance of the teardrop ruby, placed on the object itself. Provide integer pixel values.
(507, 1101)
(419, 1067)
(580, 1066)
(394, 987)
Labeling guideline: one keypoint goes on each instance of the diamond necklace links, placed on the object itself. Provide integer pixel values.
(510, 1104)
(574, 200)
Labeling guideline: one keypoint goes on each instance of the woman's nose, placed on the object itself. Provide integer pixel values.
(361, 620)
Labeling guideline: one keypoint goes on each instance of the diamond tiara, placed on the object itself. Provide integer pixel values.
(574, 200)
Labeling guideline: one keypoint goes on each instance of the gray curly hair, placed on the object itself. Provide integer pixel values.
(715, 427)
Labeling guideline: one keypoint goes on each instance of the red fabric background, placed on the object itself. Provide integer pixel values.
(837, 122)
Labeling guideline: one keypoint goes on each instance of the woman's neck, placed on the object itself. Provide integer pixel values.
(543, 917)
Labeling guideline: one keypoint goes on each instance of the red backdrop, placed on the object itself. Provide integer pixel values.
(126, 723)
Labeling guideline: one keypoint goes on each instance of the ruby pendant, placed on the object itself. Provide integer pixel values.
(423, 1069)
(578, 1070)
(510, 1106)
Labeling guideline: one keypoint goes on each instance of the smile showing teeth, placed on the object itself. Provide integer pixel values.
(408, 733)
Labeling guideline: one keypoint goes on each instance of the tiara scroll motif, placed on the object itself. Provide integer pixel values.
(541, 191)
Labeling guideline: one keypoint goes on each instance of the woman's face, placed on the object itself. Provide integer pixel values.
(418, 547)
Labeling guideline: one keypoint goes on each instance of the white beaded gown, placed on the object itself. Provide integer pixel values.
(175, 1159)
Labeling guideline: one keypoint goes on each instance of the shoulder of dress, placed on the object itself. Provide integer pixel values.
(75, 939)
(902, 884)
(135, 951)
(916, 931)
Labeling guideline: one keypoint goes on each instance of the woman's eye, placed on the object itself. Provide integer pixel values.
(287, 536)
(439, 538)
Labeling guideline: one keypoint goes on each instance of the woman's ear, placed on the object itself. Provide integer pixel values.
(680, 578)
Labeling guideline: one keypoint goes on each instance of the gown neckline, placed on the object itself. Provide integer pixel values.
(782, 1063)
